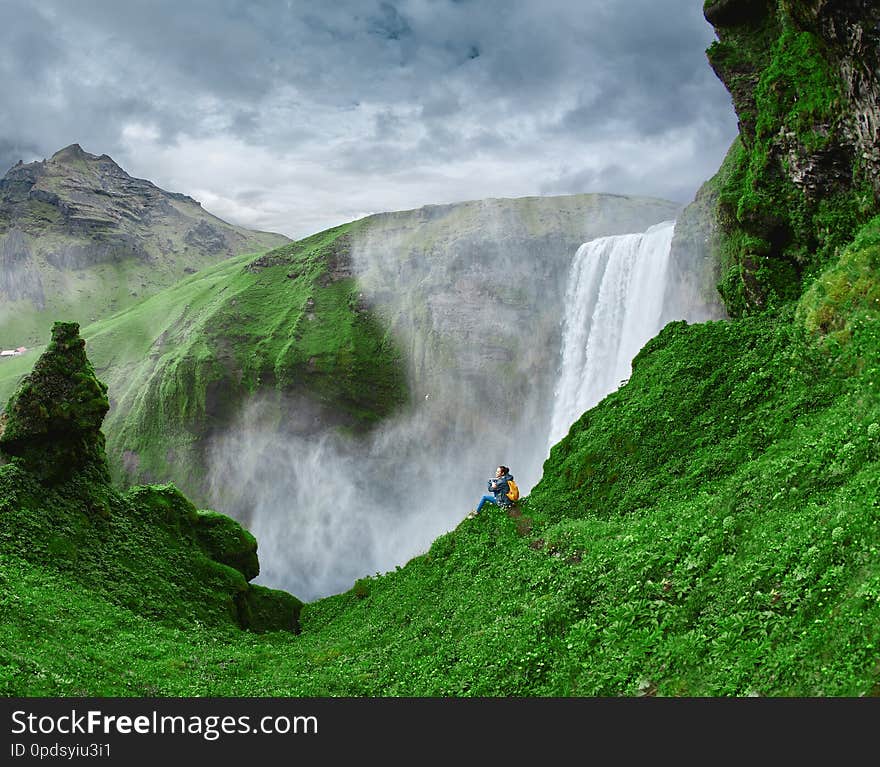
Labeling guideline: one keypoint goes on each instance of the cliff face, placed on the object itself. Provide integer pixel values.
(475, 293)
(804, 173)
(19, 275)
(80, 237)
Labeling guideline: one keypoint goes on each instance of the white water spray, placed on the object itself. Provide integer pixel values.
(613, 307)
(328, 508)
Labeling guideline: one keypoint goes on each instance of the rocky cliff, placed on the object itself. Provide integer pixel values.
(80, 237)
(475, 293)
(802, 176)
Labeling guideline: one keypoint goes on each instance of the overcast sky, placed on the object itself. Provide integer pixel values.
(296, 116)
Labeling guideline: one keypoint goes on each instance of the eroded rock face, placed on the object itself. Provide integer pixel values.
(52, 424)
(475, 294)
(693, 265)
(64, 219)
(852, 31)
(19, 277)
(805, 171)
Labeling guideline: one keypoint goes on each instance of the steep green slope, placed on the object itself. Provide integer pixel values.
(147, 552)
(290, 325)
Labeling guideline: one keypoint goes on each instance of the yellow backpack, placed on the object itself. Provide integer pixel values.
(513, 492)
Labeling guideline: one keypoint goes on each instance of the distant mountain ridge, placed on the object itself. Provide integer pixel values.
(80, 237)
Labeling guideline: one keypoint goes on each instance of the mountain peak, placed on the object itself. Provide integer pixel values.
(76, 154)
(73, 151)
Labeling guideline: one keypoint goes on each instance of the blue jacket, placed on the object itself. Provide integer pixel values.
(500, 488)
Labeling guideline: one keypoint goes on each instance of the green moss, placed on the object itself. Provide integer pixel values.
(51, 425)
(148, 551)
(226, 541)
(778, 231)
(285, 325)
(842, 307)
(798, 89)
(262, 609)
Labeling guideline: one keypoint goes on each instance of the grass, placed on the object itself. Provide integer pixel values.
(182, 362)
(711, 529)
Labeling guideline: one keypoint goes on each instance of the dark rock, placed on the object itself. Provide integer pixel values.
(111, 249)
(52, 424)
(204, 235)
(227, 542)
(851, 30)
(728, 13)
(261, 609)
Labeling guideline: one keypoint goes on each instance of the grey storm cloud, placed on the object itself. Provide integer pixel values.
(453, 95)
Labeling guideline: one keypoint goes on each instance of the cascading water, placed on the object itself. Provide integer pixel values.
(329, 507)
(613, 307)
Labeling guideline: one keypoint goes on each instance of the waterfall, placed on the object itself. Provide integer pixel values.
(613, 307)
(329, 507)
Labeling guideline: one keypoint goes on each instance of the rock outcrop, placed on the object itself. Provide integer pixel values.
(51, 434)
(804, 173)
(52, 424)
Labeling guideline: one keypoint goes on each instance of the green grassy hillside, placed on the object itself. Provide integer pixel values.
(289, 324)
(710, 529)
(147, 552)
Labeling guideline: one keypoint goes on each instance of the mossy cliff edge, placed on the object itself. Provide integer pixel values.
(148, 550)
(802, 176)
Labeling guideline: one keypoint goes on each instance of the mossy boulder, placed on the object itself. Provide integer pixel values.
(226, 541)
(262, 609)
(52, 424)
(222, 538)
(164, 505)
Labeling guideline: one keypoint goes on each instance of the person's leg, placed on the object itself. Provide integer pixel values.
(484, 500)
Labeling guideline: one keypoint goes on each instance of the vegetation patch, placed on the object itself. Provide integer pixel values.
(792, 191)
